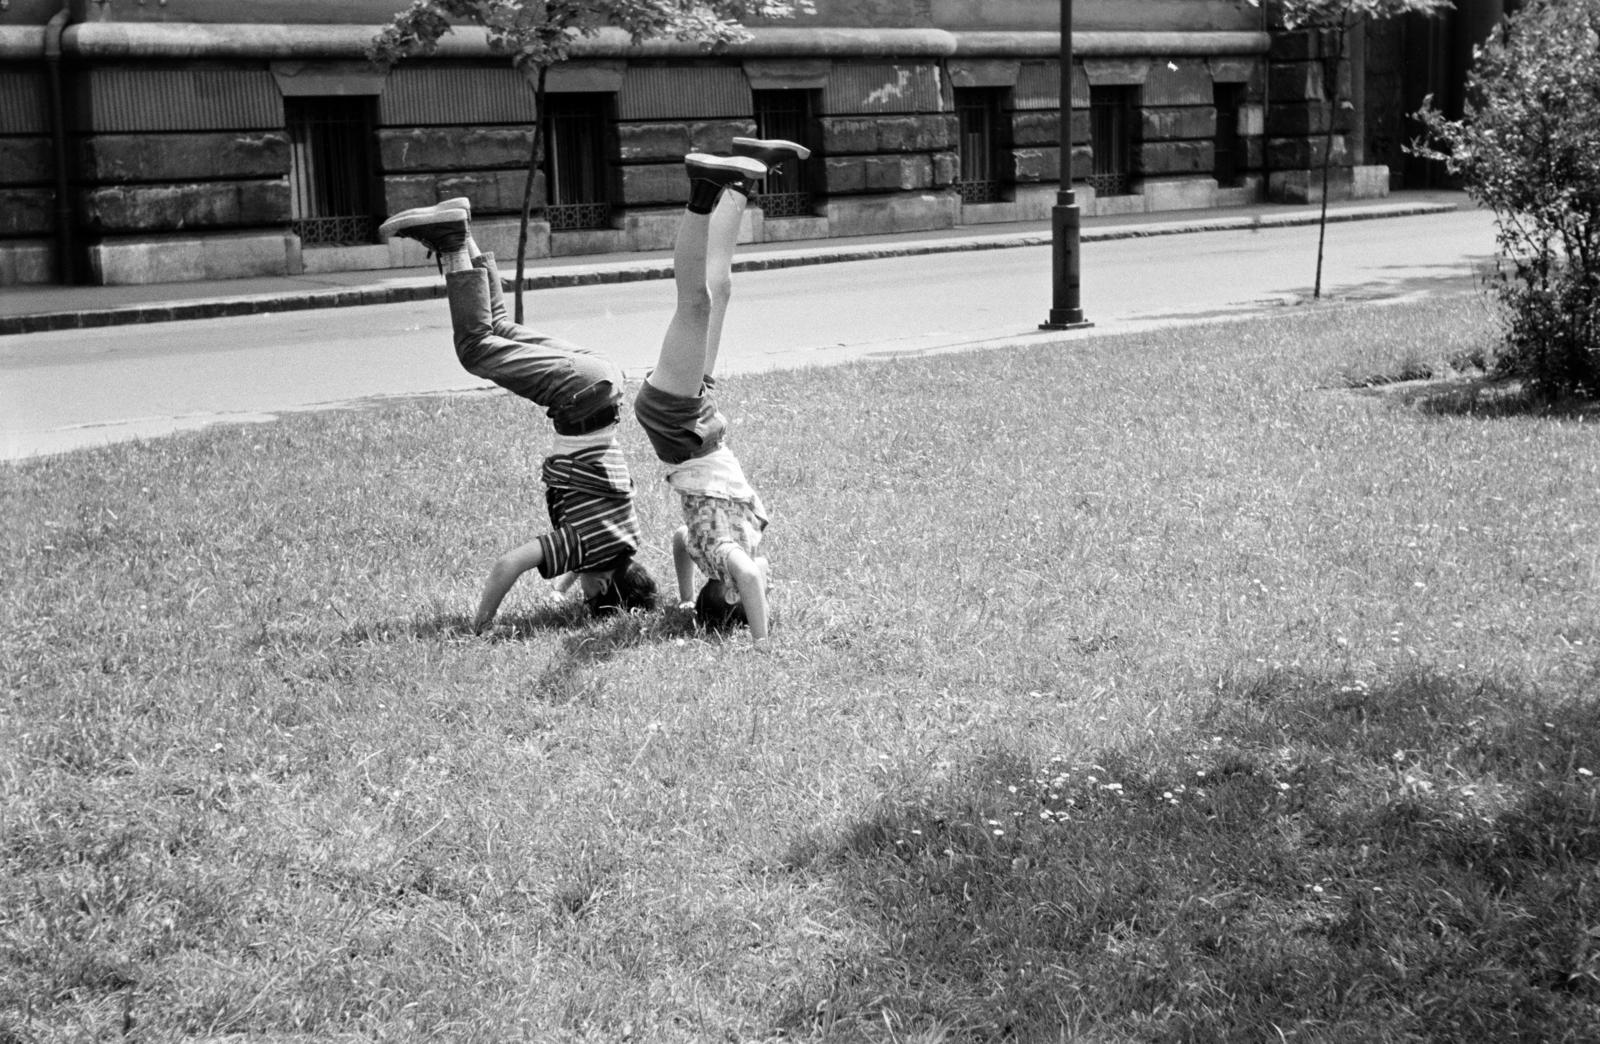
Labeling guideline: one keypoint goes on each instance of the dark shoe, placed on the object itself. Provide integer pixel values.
(725, 171)
(441, 231)
(771, 151)
(709, 175)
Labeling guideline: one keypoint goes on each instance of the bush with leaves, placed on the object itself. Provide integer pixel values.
(1528, 147)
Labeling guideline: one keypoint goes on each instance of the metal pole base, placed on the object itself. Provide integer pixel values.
(1066, 314)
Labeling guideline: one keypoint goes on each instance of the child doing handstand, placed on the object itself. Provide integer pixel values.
(594, 533)
(723, 516)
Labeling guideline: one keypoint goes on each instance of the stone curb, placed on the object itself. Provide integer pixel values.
(628, 272)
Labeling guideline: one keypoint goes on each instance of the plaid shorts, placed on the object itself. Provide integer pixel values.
(717, 526)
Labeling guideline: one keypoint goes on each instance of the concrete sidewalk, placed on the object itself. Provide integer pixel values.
(32, 309)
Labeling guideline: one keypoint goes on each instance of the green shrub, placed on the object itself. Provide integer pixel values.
(1528, 147)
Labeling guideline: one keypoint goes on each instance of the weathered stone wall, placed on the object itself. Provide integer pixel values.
(489, 165)
(27, 166)
(177, 139)
(1299, 113)
(887, 128)
(651, 155)
(890, 153)
(26, 212)
(1177, 120)
(132, 158)
(192, 206)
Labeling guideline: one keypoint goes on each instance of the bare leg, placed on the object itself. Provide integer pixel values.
(721, 239)
(719, 188)
(683, 350)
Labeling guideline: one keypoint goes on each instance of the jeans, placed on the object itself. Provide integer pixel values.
(579, 388)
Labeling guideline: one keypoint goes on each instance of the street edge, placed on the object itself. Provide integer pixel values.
(628, 272)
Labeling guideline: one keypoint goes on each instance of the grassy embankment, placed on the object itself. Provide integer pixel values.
(1153, 688)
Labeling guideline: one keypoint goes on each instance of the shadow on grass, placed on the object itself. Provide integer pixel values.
(1418, 861)
(555, 615)
(589, 641)
(1392, 289)
(567, 677)
(1482, 396)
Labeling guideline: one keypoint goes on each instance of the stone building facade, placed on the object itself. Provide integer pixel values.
(168, 140)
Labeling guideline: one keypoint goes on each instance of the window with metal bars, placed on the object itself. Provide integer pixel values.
(1111, 137)
(791, 116)
(576, 161)
(1228, 159)
(979, 111)
(332, 170)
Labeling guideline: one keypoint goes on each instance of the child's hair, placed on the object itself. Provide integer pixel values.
(713, 612)
(631, 587)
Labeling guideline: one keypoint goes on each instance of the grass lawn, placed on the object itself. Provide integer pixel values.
(1155, 688)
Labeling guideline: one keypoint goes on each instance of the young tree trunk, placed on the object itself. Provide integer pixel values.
(539, 95)
(1330, 88)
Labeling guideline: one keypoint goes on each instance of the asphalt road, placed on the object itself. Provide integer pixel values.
(70, 389)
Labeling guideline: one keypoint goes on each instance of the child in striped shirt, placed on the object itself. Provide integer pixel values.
(723, 517)
(594, 533)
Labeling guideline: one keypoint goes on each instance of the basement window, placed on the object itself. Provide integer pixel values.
(978, 143)
(1228, 149)
(332, 170)
(576, 167)
(789, 115)
(1111, 112)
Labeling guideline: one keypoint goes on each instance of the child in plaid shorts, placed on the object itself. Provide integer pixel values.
(723, 516)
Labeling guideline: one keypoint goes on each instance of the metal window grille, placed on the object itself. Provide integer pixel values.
(331, 170)
(1227, 150)
(575, 167)
(1111, 137)
(978, 145)
(789, 115)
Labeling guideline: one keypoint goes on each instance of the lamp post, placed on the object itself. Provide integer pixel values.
(1066, 310)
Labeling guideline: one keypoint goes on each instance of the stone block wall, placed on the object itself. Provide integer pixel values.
(888, 128)
(27, 177)
(651, 155)
(139, 158)
(905, 153)
(1302, 112)
(166, 150)
(27, 194)
(1177, 128)
(191, 206)
(489, 165)
(26, 212)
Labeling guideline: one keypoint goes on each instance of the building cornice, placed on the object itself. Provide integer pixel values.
(21, 42)
(168, 40)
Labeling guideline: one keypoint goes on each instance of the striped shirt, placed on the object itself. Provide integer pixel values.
(589, 495)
